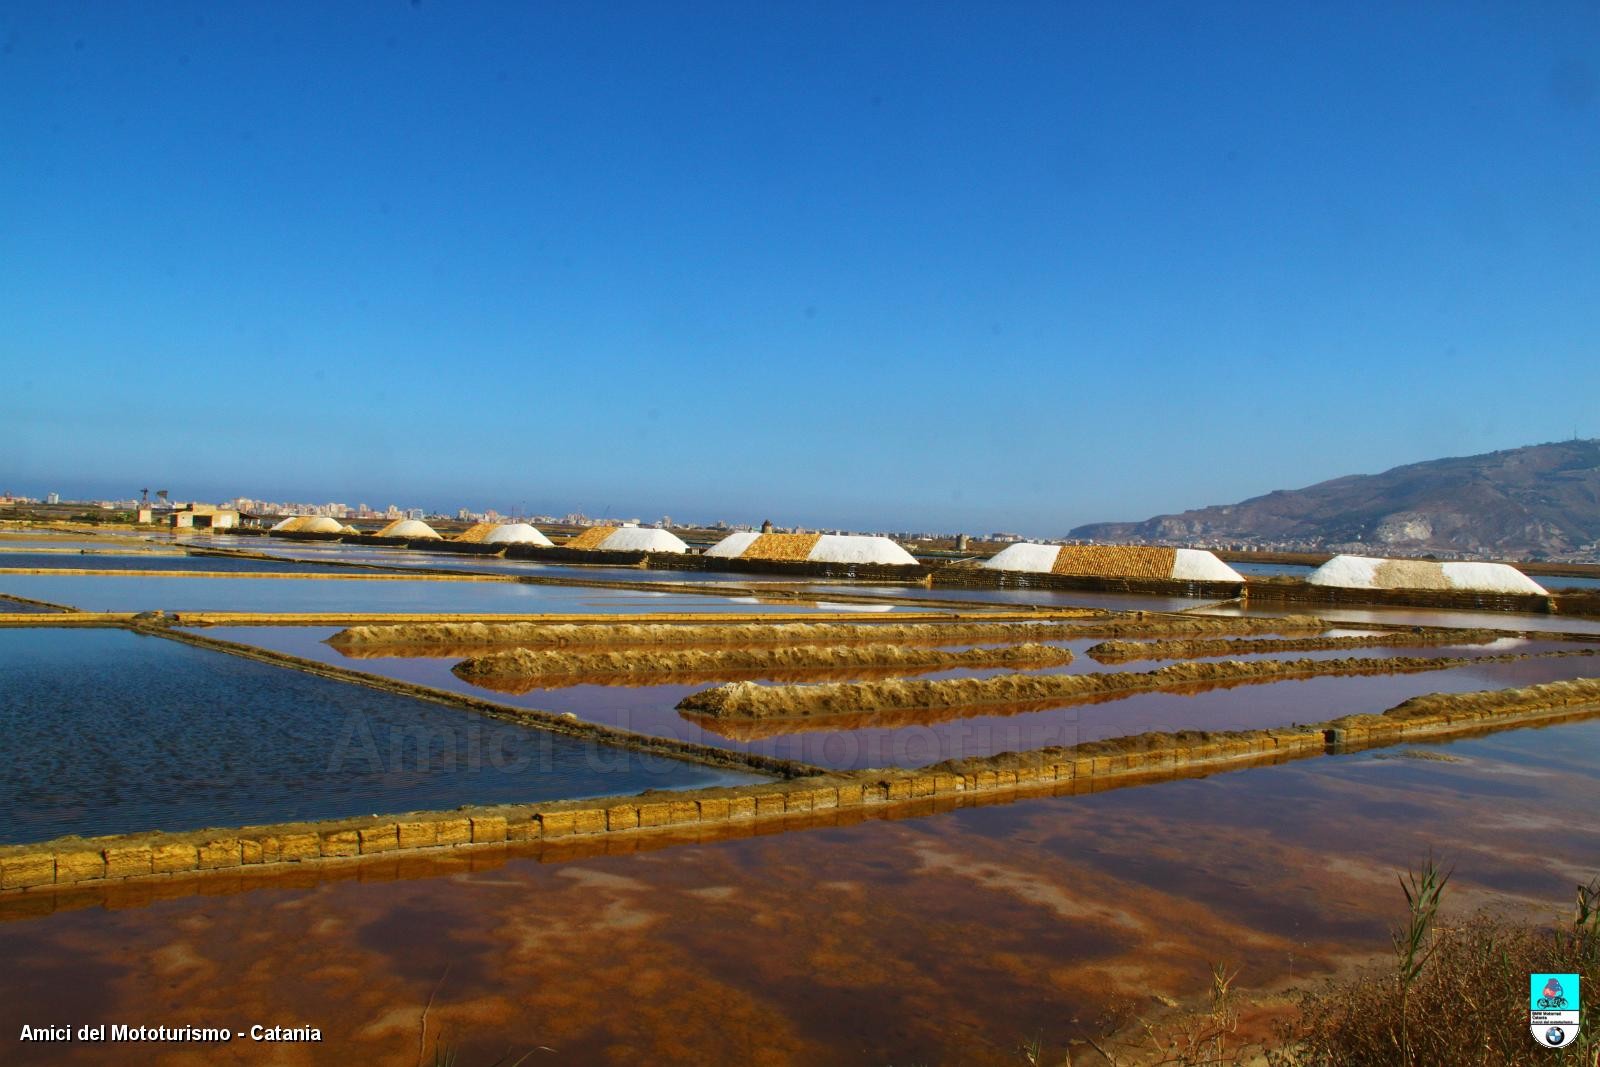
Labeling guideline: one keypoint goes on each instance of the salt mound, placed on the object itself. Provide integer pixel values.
(851, 548)
(1492, 577)
(1194, 565)
(1346, 572)
(414, 529)
(474, 534)
(1114, 561)
(641, 539)
(308, 524)
(733, 545)
(813, 548)
(516, 533)
(1026, 557)
(590, 539)
(1366, 572)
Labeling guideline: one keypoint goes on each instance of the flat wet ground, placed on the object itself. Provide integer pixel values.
(944, 939)
(103, 560)
(108, 731)
(920, 738)
(117, 593)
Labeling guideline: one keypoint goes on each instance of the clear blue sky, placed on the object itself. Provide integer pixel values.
(983, 266)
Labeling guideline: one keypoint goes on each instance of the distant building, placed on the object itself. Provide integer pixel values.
(53, 498)
(202, 517)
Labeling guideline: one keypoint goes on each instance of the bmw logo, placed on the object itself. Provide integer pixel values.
(1555, 1036)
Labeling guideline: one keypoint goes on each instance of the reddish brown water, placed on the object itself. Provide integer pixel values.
(942, 939)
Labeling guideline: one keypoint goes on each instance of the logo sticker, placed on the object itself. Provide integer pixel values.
(1553, 1003)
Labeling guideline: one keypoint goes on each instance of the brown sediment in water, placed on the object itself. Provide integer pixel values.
(529, 667)
(1128, 651)
(746, 700)
(489, 635)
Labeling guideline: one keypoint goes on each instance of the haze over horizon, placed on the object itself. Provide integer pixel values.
(1017, 268)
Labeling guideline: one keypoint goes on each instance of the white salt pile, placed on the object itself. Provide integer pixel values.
(415, 529)
(1194, 565)
(1367, 572)
(824, 548)
(641, 539)
(1026, 557)
(853, 548)
(308, 524)
(1115, 561)
(515, 533)
(732, 546)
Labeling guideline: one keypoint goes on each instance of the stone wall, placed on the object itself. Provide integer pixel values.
(1149, 757)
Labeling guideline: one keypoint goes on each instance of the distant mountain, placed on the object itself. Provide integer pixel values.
(1531, 502)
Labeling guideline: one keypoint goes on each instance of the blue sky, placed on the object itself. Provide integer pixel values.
(985, 266)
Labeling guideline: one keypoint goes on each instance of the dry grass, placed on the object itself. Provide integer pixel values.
(590, 539)
(1115, 561)
(1577, 693)
(522, 665)
(1573, 692)
(1456, 995)
(1146, 624)
(489, 635)
(745, 700)
(778, 546)
(1128, 651)
(474, 534)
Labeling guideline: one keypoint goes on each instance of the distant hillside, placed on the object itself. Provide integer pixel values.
(1531, 502)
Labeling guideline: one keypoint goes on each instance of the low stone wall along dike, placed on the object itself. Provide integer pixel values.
(1148, 757)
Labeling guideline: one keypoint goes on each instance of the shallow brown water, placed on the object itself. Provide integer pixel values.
(940, 939)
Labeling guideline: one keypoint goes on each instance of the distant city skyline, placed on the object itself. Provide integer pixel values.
(888, 267)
